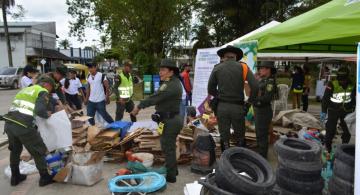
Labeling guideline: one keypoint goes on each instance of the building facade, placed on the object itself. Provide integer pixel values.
(30, 43)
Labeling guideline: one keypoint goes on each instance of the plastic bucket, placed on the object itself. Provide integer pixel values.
(148, 159)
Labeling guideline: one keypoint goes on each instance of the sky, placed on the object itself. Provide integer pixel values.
(55, 10)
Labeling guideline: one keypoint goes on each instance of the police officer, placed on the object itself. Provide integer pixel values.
(167, 106)
(21, 130)
(337, 102)
(59, 75)
(262, 104)
(124, 90)
(226, 83)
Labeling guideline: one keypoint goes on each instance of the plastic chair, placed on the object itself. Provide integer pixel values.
(281, 103)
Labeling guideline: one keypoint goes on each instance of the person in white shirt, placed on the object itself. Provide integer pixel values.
(97, 95)
(29, 73)
(72, 87)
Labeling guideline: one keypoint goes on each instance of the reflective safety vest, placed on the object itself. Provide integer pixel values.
(25, 100)
(125, 88)
(341, 95)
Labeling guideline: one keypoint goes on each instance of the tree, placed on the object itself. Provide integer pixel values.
(202, 38)
(148, 27)
(230, 19)
(19, 13)
(104, 41)
(65, 44)
(5, 4)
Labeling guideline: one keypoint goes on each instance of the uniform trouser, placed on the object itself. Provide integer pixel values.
(121, 108)
(32, 142)
(172, 128)
(231, 115)
(331, 125)
(263, 117)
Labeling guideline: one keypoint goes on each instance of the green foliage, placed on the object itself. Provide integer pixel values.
(65, 44)
(230, 19)
(151, 27)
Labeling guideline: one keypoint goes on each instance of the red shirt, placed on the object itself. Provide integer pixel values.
(187, 83)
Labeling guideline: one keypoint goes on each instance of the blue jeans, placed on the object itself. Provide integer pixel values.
(92, 107)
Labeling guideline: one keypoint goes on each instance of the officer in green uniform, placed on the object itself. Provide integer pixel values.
(226, 84)
(21, 130)
(262, 104)
(167, 105)
(337, 102)
(124, 90)
(58, 75)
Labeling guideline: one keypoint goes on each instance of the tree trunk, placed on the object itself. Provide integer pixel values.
(7, 36)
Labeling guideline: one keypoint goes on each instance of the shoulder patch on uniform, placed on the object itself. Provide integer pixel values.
(269, 87)
(163, 87)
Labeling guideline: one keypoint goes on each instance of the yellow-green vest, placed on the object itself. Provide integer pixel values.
(24, 101)
(341, 95)
(125, 88)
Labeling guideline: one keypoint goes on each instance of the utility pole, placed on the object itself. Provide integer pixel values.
(42, 51)
(7, 35)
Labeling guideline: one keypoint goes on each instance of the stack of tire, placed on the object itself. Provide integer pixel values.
(342, 181)
(240, 171)
(299, 168)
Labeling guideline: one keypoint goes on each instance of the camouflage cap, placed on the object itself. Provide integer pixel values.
(62, 70)
(168, 63)
(46, 79)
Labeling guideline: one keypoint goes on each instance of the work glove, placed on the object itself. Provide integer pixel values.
(322, 117)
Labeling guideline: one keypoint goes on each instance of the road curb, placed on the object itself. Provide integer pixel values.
(3, 143)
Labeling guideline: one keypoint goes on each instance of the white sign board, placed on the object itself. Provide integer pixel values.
(43, 61)
(357, 141)
(204, 64)
(205, 61)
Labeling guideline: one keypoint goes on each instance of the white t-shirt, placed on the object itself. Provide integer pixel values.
(97, 93)
(25, 82)
(74, 86)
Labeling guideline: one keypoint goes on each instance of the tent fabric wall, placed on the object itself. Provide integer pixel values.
(333, 27)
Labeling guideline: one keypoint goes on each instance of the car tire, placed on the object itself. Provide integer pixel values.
(313, 166)
(298, 150)
(346, 154)
(15, 85)
(228, 178)
(343, 171)
(299, 187)
(305, 176)
(210, 187)
(338, 186)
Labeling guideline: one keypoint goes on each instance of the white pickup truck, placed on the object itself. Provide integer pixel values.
(10, 77)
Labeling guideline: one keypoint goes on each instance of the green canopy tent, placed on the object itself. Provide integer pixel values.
(331, 28)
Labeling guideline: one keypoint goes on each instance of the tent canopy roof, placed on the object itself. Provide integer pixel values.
(333, 27)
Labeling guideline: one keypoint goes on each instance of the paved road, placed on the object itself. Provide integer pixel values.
(31, 184)
(6, 96)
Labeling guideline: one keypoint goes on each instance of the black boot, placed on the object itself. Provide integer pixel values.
(45, 179)
(170, 179)
(16, 177)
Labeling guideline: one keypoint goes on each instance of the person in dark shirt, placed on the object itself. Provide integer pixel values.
(297, 86)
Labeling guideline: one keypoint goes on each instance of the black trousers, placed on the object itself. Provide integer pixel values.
(73, 100)
(331, 125)
(305, 101)
(120, 109)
